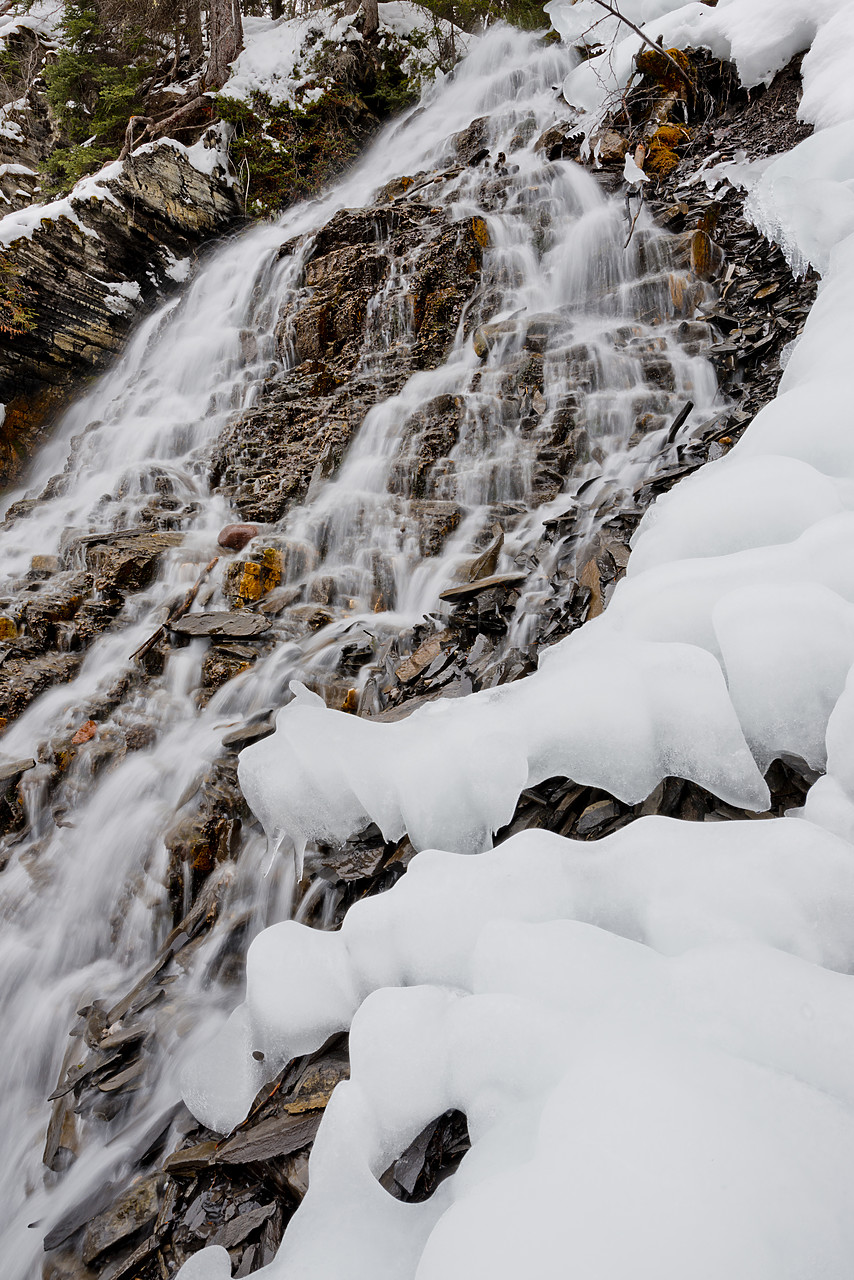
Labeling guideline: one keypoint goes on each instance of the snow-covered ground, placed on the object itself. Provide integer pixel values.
(43, 17)
(278, 54)
(651, 1037)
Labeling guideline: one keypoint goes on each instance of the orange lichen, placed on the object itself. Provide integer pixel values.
(656, 67)
(481, 232)
(662, 155)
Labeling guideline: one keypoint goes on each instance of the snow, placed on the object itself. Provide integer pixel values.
(651, 1037)
(277, 57)
(123, 295)
(42, 17)
(616, 1024)
(177, 269)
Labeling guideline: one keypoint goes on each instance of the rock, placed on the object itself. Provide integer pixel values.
(295, 1173)
(239, 625)
(314, 1086)
(45, 564)
(86, 288)
(234, 537)
(8, 629)
(190, 1160)
(236, 739)
(135, 1211)
(560, 140)
(504, 581)
(484, 565)
(609, 147)
(270, 1138)
(596, 816)
(241, 1226)
(426, 653)
(85, 733)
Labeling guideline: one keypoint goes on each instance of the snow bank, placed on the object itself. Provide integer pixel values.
(651, 1037)
(43, 17)
(278, 55)
(803, 199)
(641, 1034)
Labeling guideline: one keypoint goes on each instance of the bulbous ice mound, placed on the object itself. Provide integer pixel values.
(648, 1033)
(607, 710)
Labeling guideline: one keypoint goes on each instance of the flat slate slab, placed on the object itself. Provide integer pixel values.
(470, 589)
(238, 625)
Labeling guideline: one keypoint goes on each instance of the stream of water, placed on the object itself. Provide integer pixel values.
(83, 895)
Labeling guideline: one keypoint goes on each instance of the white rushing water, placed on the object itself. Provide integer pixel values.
(83, 897)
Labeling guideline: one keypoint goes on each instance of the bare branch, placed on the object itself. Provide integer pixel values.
(653, 44)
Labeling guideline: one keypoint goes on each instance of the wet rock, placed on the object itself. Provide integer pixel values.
(140, 736)
(45, 565)
(270, 1138)
(269, 456)
(11, 770)
(469, 144)
(23, 679)
(128, 561)
(503, 581)
(234, 537)
(246, 581)
(85, 733)
(239, 625)
(134, 1212)
(436, 520)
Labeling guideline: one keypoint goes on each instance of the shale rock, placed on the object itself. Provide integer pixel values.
(267, 458)
(94, 261)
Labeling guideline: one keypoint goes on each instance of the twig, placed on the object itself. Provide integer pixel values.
(635, 218)
(678, 421)
(653, 44)
(177, 612)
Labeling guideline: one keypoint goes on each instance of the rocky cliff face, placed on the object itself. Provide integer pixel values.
(266, 459)
(93, 262)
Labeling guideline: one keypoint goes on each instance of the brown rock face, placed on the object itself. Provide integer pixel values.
(267, 457)
(86, 287)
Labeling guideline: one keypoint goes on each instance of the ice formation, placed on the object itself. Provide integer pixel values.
(651, 1038)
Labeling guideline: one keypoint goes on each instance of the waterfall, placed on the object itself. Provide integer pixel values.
(83, 895)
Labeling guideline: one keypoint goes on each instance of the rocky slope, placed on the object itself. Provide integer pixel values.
(240, 1191)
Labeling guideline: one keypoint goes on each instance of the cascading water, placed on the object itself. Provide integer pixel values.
(83, 897)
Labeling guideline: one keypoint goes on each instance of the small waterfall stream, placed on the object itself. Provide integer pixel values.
(83, 896)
